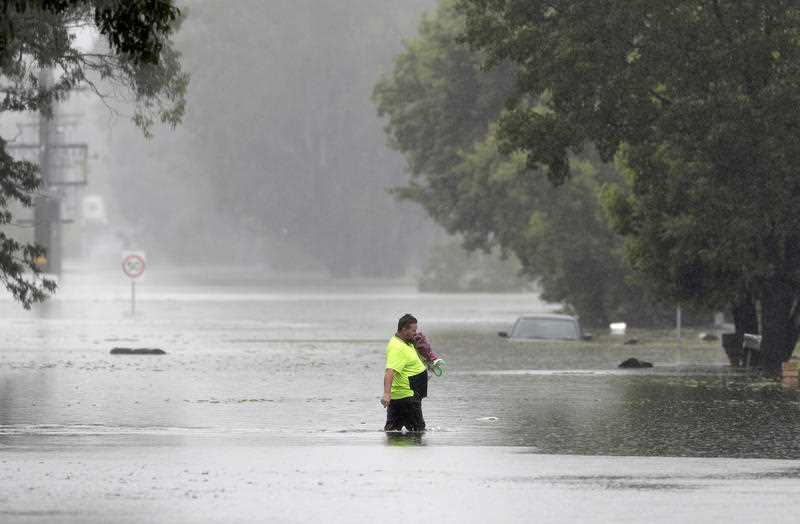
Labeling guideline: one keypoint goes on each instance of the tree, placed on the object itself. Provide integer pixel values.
(441, 107)
(699, 99)
(560, 234)
(451, 269)
(439, 102)
(36, 36)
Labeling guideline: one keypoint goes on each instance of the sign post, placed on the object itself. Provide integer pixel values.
(133, 265)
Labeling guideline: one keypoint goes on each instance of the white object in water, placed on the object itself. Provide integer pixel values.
(618, 328)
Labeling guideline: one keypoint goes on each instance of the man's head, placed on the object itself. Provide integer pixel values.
(407, 327)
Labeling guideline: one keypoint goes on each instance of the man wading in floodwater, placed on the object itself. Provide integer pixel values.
(405, 382)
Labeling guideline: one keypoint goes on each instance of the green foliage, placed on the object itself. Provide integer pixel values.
(438, 98)
(18, 180)
(439, 103)
(451, 269)
(441, 106)
(699, 101)
(37, 36)
(139, 58)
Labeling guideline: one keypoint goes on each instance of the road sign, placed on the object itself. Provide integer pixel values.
(133, 263)
(68, 162)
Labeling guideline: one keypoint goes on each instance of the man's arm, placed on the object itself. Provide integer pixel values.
(388, 377)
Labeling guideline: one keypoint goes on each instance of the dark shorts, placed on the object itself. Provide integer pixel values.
(405, 412)
(419, 384)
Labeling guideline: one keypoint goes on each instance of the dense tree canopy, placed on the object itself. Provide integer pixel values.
(137, 60)
(441, 106)
(698, 99)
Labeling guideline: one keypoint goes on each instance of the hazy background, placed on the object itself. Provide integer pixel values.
(280, 163)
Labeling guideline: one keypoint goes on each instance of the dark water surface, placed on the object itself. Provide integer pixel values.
(276, 363)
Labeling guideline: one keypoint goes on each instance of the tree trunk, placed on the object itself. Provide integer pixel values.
(778, 326)
(745, 316)
(745, 320)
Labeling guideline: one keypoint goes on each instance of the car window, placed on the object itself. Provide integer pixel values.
(551, 328)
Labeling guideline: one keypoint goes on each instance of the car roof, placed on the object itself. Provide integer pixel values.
(548, 316)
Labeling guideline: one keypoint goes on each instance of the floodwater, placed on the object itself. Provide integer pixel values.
(266, 408)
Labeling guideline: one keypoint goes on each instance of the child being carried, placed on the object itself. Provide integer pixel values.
(426, 354)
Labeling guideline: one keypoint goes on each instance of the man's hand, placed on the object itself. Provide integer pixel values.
(387, 387)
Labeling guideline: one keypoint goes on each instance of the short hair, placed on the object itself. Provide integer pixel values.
(405, 320)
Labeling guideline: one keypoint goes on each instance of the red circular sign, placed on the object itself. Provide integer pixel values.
(133, 265)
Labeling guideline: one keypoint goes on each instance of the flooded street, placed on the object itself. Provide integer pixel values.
(269, 397)
(219, 215)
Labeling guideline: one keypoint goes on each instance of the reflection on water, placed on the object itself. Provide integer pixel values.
(650, 415)
(290, 366)
(404, 439)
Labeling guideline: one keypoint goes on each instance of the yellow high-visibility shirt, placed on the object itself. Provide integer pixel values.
(403, 359)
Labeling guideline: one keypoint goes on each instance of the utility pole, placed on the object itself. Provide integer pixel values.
(62, 172)
(47, 205)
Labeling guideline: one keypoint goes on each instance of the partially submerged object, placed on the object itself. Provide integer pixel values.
(790, 372)
(618, 328)
(742, 350)
(138, 351)
(633, 363)
(546, 327)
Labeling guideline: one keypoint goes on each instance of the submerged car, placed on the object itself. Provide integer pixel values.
(546, 327)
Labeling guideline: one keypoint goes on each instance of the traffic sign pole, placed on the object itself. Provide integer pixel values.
(133, 265)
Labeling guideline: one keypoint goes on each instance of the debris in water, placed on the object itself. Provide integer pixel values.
(635, 363)
(138, 351)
